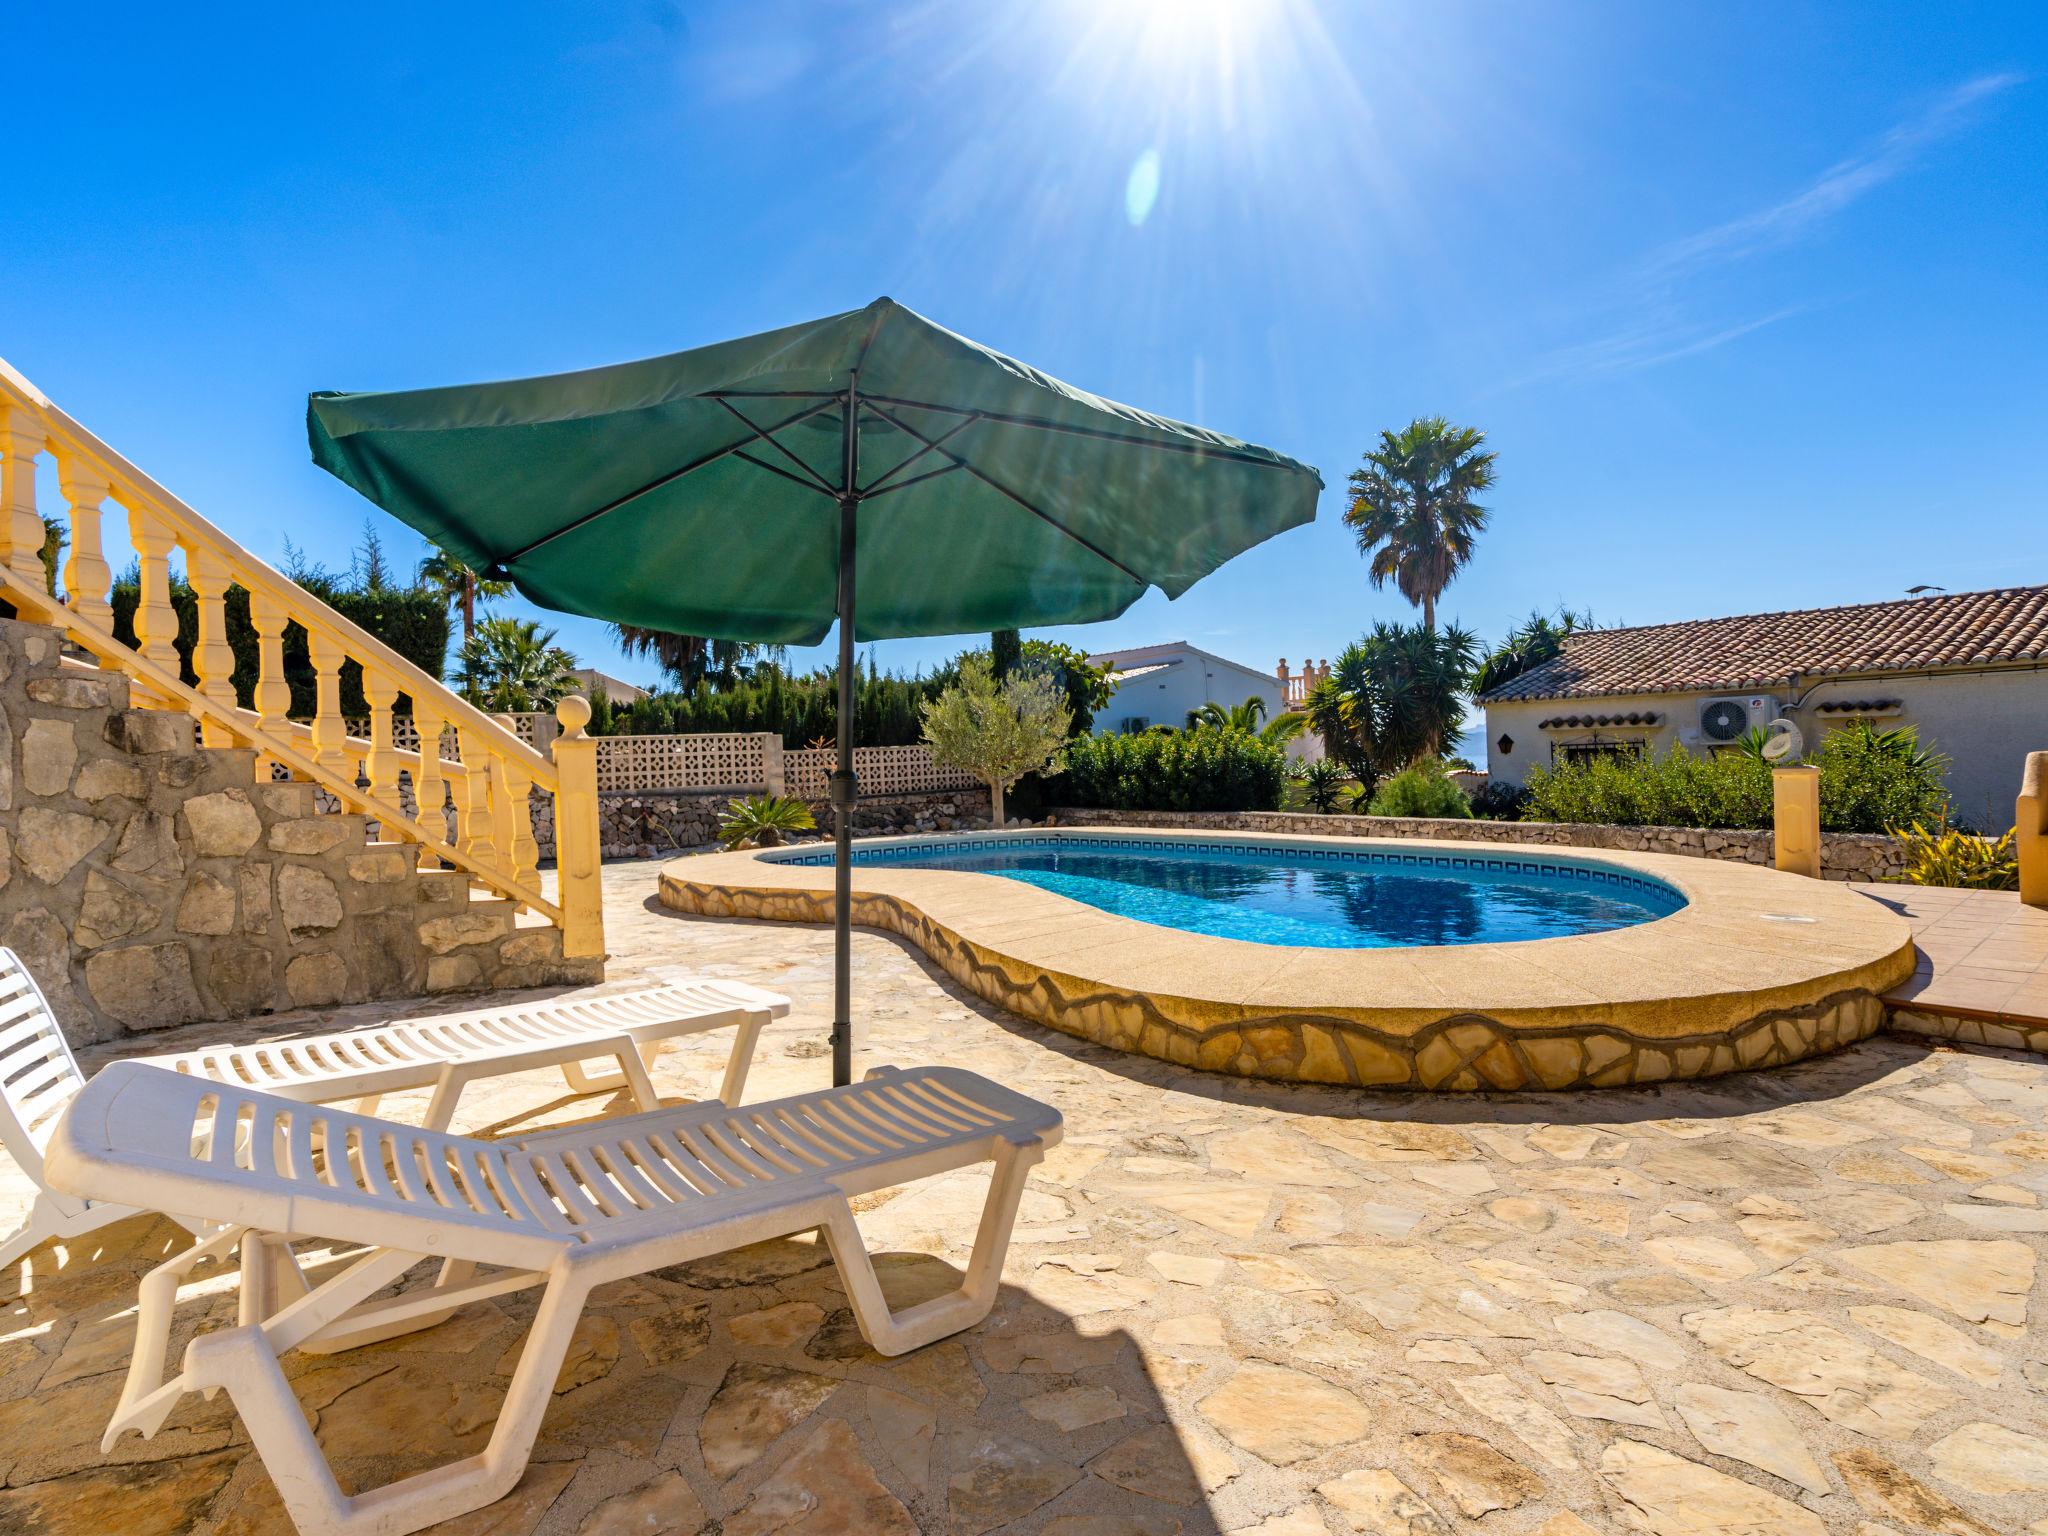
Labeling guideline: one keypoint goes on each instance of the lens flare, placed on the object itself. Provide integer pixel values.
(1141, 188)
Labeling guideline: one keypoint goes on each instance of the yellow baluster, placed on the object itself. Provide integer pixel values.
(578, 839)
(86, 575)
(156, 621)
(273, 694)
(522, 853)
(429, 789)
(330, 731)
(480, 824)
(381, 763)
(21, 528)
(213, 659)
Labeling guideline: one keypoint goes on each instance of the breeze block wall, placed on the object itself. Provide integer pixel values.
(149, 882)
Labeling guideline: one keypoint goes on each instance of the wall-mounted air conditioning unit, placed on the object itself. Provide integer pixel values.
(1725, 721)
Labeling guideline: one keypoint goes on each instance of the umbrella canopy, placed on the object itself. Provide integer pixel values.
(872, 469)
(698, 492)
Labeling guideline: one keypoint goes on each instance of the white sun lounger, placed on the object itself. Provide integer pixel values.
(39, 1075)
(570, 1209)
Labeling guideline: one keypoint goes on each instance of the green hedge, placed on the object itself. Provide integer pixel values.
(1869, 781)
(887, 711)
(1200, 770)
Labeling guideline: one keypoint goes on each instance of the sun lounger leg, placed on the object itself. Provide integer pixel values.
(896, 1333)
(40, 1225)
(745, 1036)
(240, 1360)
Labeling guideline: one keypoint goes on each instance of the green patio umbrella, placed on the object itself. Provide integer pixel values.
(749, 489)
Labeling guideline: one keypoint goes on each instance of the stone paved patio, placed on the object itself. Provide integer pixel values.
(1797, 1302)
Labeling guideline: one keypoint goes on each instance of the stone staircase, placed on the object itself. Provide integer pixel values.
(150, 881)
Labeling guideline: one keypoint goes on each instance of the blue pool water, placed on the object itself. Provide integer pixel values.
(1366, 898)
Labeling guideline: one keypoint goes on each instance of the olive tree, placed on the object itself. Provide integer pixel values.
(997, 731)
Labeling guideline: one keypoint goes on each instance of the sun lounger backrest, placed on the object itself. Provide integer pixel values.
(163, 1140)
(38, 1074)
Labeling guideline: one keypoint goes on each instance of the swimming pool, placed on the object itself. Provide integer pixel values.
(1307, 896)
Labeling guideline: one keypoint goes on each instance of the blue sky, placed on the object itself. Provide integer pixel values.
(1751, 299)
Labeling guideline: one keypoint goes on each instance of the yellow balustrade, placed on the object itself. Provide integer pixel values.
(578, 839)
(490, 788)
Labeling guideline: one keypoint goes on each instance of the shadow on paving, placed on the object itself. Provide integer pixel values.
(732, 1394)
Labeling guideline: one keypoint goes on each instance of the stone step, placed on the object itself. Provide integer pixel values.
(444, 887)
(320, 833)
(289, 799)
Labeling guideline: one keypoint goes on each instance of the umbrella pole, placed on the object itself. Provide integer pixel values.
(845, 788)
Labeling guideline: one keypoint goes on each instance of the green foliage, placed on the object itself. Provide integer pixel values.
(1005, 652)
(1679, 789)
(887, 711)
(513, 665)
(689, 660)
(1422, 789)
(1949, 857)
(1500, 802)
(762, 821)
(1412, 507)
(1322, 783)
(1872, 780)
(1250, 717)
(1536, 640)
(1393, 697)
(1869, 781)
(1198, 770)
(1087, 688)
(457, 587)
(997, 731)
(412, 623)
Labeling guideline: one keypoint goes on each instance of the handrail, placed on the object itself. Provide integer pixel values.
(487, 792)
(256, 574)
(237, 722)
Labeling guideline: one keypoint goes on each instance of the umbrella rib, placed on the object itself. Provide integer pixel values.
(656, 484)
(816, 480)
(904, 485)
(1199, 450)
(776, 469)
(1003, 490)
(874, 486)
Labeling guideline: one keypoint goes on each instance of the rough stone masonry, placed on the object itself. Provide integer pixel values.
(149, 882)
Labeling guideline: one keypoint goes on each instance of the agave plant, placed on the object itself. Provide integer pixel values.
(760, 821)
(1322, 783)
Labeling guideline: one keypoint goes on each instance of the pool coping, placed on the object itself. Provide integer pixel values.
(1758, 967)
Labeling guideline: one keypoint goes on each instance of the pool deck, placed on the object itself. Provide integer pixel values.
(1981, 959)
(1757, 969)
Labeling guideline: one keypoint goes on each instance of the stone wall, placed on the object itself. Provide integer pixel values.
(148, 882)
(657, 822)
(1844, 856)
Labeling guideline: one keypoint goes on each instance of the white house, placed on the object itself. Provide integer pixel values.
(1968, 670)
(1160, 684)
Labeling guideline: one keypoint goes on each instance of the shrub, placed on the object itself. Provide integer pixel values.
(1201, 770)
(1676, 790)
(1421, 789)
(1948, 856)
(1499, 801)
(1873, 781)
(1870, 780)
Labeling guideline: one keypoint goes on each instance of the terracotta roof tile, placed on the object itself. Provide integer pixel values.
(1762, 650)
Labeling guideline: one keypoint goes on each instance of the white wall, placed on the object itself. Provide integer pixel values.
(1985, 722)
(1165, 697)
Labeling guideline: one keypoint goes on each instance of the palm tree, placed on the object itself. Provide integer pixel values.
(459, 586)
(1536, 640)
(1412, 507)
(690, 659)
(513, 665)
(1246, 717)
(1394, 696)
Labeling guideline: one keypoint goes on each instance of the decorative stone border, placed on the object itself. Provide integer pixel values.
(1758, 969)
